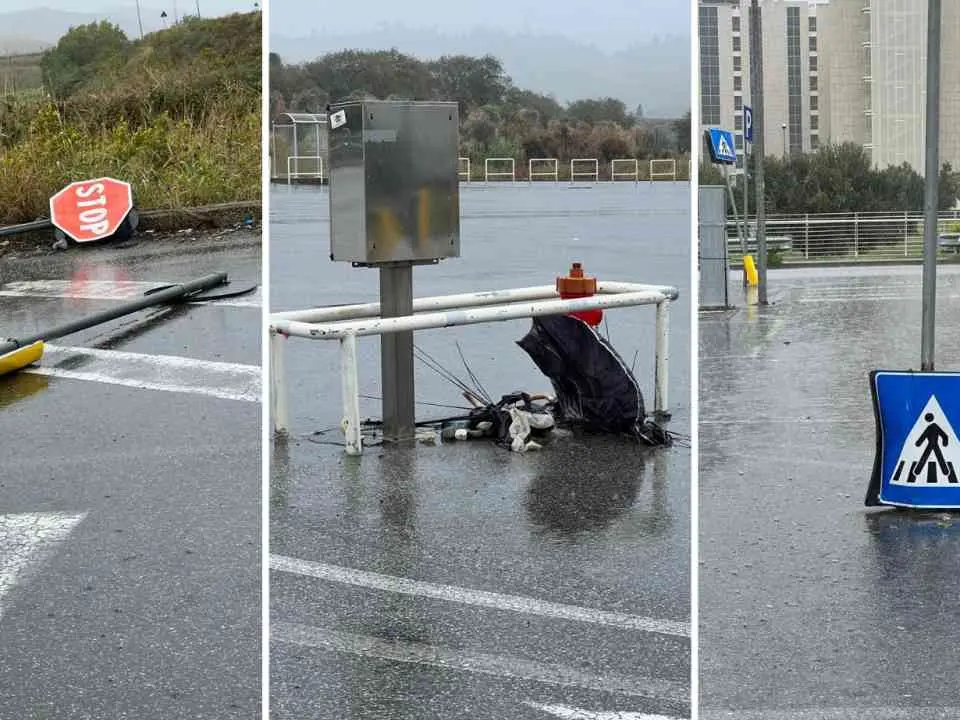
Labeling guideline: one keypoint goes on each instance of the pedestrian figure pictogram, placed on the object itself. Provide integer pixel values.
(929, 454)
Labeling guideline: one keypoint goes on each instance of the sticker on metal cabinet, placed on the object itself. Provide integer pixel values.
(338, 118)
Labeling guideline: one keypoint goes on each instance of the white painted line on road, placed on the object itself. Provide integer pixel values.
(26, 541)
(405, 651)
(870, 298)
(224, 380)
(107, 290)
(570, 713)
(859, 712)
(482, 598)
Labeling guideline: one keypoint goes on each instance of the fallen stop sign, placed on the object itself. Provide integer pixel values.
(90, 210)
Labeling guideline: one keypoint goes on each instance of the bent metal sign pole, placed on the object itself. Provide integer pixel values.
(917, 462)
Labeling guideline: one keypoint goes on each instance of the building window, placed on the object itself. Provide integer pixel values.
(737, 63)
(738, 141)
(812, 24)
(814, 102)
(738, 83)
(738, 122)
(794, 81)
(814, 122)
(736, 23)
(814, 142)
(813, 43)
(737, 103)
(736, 43)
(814, 83)
(813, 58)
(709, 66)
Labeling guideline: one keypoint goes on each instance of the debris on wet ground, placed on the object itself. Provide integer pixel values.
(594, 391)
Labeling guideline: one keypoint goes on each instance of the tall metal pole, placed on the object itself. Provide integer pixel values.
(759, 128)
(139, 20)
(932, 194)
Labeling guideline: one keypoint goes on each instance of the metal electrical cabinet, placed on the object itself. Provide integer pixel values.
(394, 182)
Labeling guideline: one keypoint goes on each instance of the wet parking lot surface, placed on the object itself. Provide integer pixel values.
(130, 491)
(811, 605)
(461, 580)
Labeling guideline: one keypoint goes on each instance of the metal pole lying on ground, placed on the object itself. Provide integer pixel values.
(161, 297)
(932, 193)
(759, 128)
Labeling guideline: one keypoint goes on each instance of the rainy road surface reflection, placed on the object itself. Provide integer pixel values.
(812, 605)
(463, 580)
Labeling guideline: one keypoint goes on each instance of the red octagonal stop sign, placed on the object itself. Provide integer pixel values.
(91, 209)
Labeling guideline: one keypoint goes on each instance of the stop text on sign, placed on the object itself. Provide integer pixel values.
(92, 204)
(94, 209)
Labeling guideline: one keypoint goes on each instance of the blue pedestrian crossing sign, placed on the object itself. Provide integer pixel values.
(748, 123)
(721, 146)
(917, 463)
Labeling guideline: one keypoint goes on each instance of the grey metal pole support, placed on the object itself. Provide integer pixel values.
(396, 354)
(759, 127)
(932, 193)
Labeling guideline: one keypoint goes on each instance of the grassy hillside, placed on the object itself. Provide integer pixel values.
(177, 114)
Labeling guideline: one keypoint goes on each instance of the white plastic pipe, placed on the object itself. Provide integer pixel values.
(278, 385)
(467, 316)
(350, 391)
(449, 302)
(662, 358)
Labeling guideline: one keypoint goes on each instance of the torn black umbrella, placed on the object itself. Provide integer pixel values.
(594, 386)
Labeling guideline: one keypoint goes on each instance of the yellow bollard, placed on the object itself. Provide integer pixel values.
(20, 358)
(751, 270)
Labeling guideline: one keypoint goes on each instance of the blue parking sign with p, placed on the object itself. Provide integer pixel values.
(917, 463)
(748, 124)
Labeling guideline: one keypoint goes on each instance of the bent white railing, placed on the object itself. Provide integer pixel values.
(348, 322)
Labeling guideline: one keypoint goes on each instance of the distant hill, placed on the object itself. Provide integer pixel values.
(20, 45)
(655, 75)
(46, 26)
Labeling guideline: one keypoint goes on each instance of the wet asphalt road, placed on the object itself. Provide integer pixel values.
(812, 606)
(149, 604)
(597, 524)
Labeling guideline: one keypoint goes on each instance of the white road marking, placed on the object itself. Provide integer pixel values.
(26, 541)
(870, 298)
(107, 290)
(569, 713)
(859, 712)
(476, 662)
(482, 598)
(224, 380)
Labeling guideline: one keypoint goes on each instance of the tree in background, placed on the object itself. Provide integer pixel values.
(81, 54)
(497, 118)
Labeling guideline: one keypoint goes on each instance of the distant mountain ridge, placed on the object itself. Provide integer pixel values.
(654, 74)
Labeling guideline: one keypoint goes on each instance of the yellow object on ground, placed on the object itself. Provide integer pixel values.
(751, 269)
(21, 358)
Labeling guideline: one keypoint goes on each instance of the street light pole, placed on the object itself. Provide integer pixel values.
(932, 192)
(759, 128)
(783, 128)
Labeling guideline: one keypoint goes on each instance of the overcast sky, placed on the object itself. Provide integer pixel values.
(610, 24)
(207, 7)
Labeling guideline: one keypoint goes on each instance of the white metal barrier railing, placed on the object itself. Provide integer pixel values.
(463, 172)
(632, 172)
(293, 167)
(348, 322)
(847, 236)
(593, 173)
(665, 169)
(511, 173)
(552, 172)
